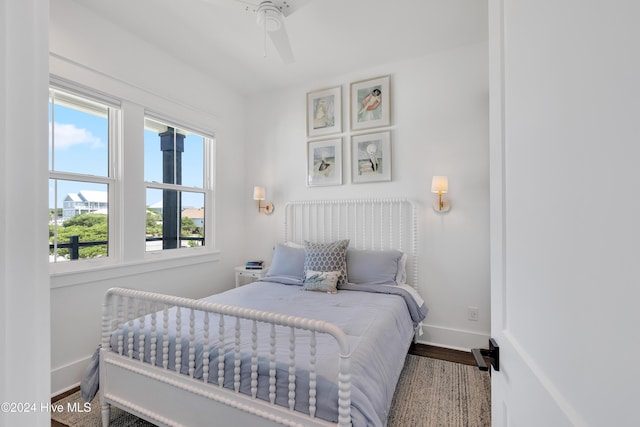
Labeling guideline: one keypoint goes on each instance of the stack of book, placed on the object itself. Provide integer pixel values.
(254, 265)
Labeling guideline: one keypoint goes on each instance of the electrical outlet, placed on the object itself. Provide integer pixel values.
(472, 313)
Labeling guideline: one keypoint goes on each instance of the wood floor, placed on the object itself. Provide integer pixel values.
(424, 350)
(441, 353)
(54, 423)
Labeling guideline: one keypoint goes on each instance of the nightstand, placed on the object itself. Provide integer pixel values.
(245, 276)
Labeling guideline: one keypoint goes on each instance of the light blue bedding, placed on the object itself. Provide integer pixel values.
(378, 322)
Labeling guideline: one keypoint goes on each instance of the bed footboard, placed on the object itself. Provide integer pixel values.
(133, 364)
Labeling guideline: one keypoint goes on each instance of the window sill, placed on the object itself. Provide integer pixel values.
(115, 271)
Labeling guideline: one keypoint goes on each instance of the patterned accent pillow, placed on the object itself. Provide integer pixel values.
(323, 281)
(327, 257)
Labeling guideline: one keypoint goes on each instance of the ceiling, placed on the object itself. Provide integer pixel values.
(328, 37)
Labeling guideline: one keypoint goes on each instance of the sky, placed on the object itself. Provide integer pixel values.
(80, 141)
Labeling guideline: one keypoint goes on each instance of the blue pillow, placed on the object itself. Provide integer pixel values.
(287, 262)
(374, 267)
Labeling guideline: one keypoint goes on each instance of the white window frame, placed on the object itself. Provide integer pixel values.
(208, 189)
(112, 180)
(127, 258)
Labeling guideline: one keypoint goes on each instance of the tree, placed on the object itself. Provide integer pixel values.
(188, 227)
(55, 214)
(154, 223)
(89, 228)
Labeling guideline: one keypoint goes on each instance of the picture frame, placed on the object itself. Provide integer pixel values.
(371, 157)
(324, 112)
(370, 103)
(324, 162)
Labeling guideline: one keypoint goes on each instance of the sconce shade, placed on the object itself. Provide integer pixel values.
(439, 184)
(258, 193)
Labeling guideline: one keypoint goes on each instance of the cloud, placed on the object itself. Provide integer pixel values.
(68, 135)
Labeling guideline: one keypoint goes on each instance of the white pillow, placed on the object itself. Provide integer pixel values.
(322, 281)
(294, 245)
(401, 277)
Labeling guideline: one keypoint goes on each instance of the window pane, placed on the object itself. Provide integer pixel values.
(192, 224)
(152, 151)
(79, 219)
(193, 161)
(50, 131)
(175, 216)
(162, 227)
(165, 228)
(79, 135)
(172, 156)
(154, 220)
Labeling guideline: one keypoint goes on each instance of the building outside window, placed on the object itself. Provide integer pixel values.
(85, 202)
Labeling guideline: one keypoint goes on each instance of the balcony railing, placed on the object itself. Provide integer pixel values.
(75, 244)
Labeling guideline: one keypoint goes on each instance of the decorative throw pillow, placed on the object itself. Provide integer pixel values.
(327, 257)
(322, 281)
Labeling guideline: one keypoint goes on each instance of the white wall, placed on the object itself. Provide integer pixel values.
(439, 127)
(88, 50)
(571, 151)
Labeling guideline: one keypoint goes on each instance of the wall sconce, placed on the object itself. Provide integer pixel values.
(440, 186)
(258, 194)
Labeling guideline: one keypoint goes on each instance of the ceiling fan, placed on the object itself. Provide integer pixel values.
(270, 16)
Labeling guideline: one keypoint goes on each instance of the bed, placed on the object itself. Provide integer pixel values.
(320, 341)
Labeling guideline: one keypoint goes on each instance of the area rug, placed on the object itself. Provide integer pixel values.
(430, 393)
(435, 393)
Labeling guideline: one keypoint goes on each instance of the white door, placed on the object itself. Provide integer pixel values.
(564, 150)
(522, 395)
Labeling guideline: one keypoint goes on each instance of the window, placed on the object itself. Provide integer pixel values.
(178, 189)
(81, 176)
(97, 197)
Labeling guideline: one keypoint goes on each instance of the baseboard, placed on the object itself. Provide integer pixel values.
(66, 377)
(455, 339)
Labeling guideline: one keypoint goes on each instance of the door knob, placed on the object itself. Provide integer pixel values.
(493, 353)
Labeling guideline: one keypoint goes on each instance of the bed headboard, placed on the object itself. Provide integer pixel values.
(375, 224)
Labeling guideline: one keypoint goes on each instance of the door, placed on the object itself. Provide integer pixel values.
(564, 109)
(522, 392)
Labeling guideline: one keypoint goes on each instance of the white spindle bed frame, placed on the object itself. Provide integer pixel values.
(168, 398)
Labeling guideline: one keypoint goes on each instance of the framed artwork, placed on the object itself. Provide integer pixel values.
(324, 112)
(370, 103)
(371, 157)
(324, 162)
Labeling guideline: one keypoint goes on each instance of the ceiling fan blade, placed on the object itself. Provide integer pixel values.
(280, 40)
(274, 11)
